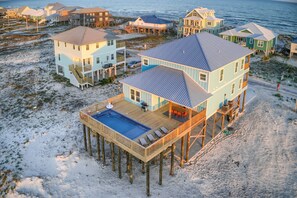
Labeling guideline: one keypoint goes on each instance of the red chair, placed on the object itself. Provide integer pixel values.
(179, 114)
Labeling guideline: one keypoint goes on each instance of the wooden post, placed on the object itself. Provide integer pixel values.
(89, 140)
(170, 109)
(172, 159)
(189, 137)
(243, 101)
(223, 122)
(85, 137)
(161, 167)
(128, 165)
(148, 179)
(103, 151)
(119, 163)
(130, 169)
(143, 167)
(238, 101)
(296, 105)
(182, 151)
(214, 125)
(204, 132)
(112, 156)
(98, 145)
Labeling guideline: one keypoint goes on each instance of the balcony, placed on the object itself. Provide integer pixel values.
(151, 119)
(120, 58)
(244, 83)
(120, 44)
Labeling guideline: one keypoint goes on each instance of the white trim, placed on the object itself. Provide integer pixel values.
(260, 42)
(135, 91)
(203, 74)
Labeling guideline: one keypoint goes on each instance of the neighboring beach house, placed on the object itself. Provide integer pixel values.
(20, 11)
(52, 8)
(85, 55)
(293, 47)
(62, 15)
(149, 24)
(253, 36)
(185, 85)
(91, 17)
(201, 19)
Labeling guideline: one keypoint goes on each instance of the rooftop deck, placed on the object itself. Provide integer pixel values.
(154, 120)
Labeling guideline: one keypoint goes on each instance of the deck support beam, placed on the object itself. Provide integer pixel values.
(128, 165)
(130, 169)
(89, 140)
(161, 167)
(243, 101)
(112, 156)
(143, 167)
(189, 137)
(214, 125)
(119, 162)
(98, 145)
(223, 122)
(148, 179)
(182, 151)
(204, 132)
(172, 159)
(103, 151)
(85, 137)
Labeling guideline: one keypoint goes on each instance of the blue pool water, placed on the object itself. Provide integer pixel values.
(120, 123)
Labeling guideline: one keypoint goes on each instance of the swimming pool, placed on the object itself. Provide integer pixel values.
(120, 123)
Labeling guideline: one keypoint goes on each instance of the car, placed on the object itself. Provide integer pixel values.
(133, 64)
(108, 65)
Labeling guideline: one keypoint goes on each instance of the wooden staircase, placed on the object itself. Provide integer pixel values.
(81, 79)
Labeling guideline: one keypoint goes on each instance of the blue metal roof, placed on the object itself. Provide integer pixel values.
(203, 51)
(154, 19)
(172, 84)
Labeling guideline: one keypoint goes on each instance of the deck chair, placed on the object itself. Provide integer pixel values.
(158, 133)
(164, 130)
(150, 137)
(143, 142)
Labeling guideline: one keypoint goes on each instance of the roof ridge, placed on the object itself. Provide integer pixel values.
(196, 35)
(187, 89)
(83, 36)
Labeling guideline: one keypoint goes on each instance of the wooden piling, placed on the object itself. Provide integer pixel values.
(189, 137)
(130, 169)
(223, 122)
(148, 179)
(161, 168)
(103, 151)
(204, 133)
(112, 156)
(119, 163)
(85, 137)
(98, 145)
(243, 101)
(89, 140)
(128, 165)
(214, 125)
(172, 159)
(143, 167)
(182, 151)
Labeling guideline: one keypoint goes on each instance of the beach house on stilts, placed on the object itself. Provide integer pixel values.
(185, 86)
(85, 55)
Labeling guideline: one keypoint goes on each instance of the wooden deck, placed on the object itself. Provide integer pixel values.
(154, 120)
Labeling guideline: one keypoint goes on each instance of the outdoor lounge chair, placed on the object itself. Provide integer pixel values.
(143, 142)
(150, 137)
(158, 133)
(164, 130)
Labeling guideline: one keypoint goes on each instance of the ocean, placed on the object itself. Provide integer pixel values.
(280, 16)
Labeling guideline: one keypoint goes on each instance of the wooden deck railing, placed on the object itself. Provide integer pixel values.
(120, 44)
(246, 66)
(143, 153)
(244, 84)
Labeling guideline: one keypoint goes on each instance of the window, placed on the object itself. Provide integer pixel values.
(60, 70)
(65, 44)
(59, 57)
(74, 47)
(110, 42)
(58, 44)
(78, 47)
(97, 45)
(242, 63)
(236, 67)
(106, 18)
(112, 57)
(87, 47)
(202, 77)
(106, 13)
(97, 60)
(107, 58)
(240, 82)
(84, 62)
(89, 61)
(221, 75)
(260, 43)
(145, 62)
(100, 14)
(208, 23)
(233, 86)
(135, 95)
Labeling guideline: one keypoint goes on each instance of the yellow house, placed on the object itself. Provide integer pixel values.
(85, 55)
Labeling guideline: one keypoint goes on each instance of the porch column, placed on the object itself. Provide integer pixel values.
(161, 167)
(119, 163)
(148, 179)
(243, 101)
(115, 70)
(109, 72)
(103, 73)
(170, 109)
(189, 137)
(98, 145)
(112, 156)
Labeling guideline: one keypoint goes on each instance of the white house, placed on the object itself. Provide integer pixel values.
(52, 8)
(85, 55)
